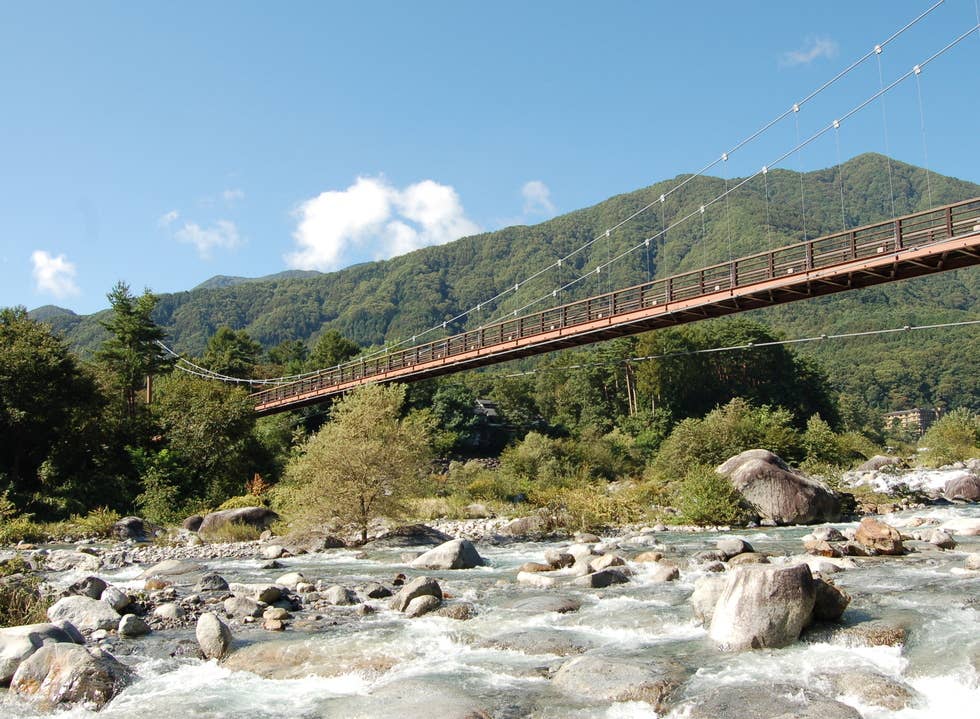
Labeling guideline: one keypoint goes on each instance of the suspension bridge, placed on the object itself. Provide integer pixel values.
(937, 240)
(943, 238)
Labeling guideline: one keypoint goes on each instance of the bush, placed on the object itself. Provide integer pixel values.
(590, 506)
(723, 433)
(955, 437)
(704, 497)
(21, 529)
(232, 532)
(245, 500)
(96, 524)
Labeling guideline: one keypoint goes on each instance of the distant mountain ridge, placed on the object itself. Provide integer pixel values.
(219, 281)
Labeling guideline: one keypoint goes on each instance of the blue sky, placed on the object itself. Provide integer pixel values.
(165, 143)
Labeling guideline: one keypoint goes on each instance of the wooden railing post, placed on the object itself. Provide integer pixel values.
(898, 234)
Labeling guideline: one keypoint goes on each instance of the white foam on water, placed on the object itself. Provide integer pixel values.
(630, 710)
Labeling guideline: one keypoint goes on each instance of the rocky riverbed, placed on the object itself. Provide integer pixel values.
(641, 623)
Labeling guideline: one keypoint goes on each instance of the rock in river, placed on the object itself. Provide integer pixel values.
(454, 554)
(85, 613)
(67, 674)
(18, 643)
(619, 680)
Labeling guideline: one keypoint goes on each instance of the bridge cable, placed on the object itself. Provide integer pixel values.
(765, 176)
(840, 176)
(819, 133)
(443, 325)
(799, 157)
(747, 346)
(739, 145)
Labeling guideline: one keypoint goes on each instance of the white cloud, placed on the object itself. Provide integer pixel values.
(168, 218)
(54, 274)
(813, 49)
(223, 234)
(233, 195)
(373, 218)
(537, 199)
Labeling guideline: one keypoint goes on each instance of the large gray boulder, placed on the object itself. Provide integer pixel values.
(707, 591)
(258, 517)
(763, 606)
(18, 643)
(410, 535)
(879, 462)
(776, 493)
(418, 587)
(85, 613)
(213, 636)
(619, 680)
(879, 537)
(965, 487)
(60, 560)
(171, 568)
(63, 673)
(132, 528)
(454, 554)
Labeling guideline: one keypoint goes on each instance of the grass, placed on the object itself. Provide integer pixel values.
(22, 602)
(232, 532)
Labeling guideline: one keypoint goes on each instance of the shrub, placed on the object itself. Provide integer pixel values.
(590, 506)
(232, 532)
(245, 500)
(97, 523)
(21, 529)
(723, 433)
(704, 497)
(953, 438)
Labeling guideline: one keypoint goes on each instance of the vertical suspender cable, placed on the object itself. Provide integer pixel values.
(840, 175)
(884, 124)
(922, 124)
(728, 208)
(799, 156)
(662, 254)
(765, 177)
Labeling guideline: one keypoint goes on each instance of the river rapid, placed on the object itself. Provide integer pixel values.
(342, 663)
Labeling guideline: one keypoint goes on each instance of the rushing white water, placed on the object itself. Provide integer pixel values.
(501, 660)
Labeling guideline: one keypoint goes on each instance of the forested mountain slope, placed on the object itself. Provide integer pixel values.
(391, 300)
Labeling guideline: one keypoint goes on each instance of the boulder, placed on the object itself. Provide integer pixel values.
(242, 607)
(558, 559)
(828, 534)
(132, 626)
(170, 610)
(91, 587)
(737, 701)
(776, 493)
(605, 561)
(965, 487)
(600, 580)
(418, 587)
(535, 579)
(291, 580)
(454, 554)
(875, 633)
(879, 462)
(211, 582)
(880, 537)
(267, 593)
(612, 679)
(374, 590)
(748, 558)
(339, 596)
(942, 539)
(310, 542)
(539, 640)
(130, 528)
(731, 546)
(18, 643)
(972, 561)
(171, 568)
(530, 567)
(213, 636)
(61, 560)
(272, 551)
(60, 674)
(411, 535)
(651, 556)
(665, 572)
(830, 601)
(763, 607)
(875, 689)
(192, 523)
(707, 591)
(258, 517)
(115, 598)
(821, 548)
(460, 611)
(422, 605)
(535, 525)
(85, 613)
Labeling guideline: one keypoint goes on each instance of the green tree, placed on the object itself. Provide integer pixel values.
(330, 350)
(289, 356)
(364, 463)
(232, 353)
(953, 438)
(131, 354)
(44, 398)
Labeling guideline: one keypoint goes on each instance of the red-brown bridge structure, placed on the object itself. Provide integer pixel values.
(923, 243)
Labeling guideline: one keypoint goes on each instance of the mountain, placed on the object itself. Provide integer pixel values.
(219, 281)
(386, 301)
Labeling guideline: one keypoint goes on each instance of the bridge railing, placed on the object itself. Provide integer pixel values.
(880, 238)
